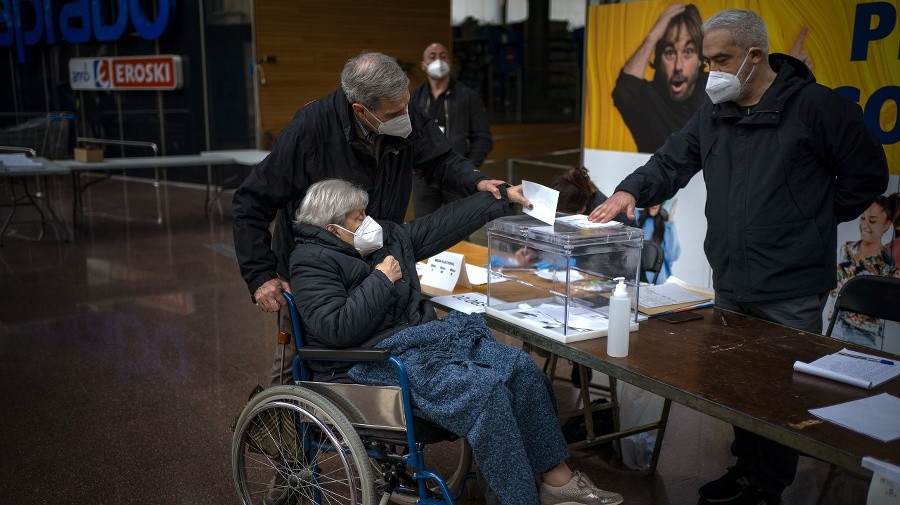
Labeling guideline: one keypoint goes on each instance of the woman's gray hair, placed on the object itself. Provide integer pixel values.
(329, 202)
(369, 77)
(746, 27)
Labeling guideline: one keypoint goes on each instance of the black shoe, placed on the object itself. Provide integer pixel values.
(725, 488)
(754, 496)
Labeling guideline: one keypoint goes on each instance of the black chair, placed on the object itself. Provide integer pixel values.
(652, 256)
(871, 295)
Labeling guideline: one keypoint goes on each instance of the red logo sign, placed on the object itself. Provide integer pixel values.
(149, 72)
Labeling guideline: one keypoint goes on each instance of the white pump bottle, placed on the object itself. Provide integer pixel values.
(619, 324)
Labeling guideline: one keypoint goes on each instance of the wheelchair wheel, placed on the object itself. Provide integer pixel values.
(293, 446)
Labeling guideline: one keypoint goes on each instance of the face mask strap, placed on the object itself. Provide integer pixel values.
(374, 116)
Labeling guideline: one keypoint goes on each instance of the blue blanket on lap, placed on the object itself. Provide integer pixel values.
(453, 365)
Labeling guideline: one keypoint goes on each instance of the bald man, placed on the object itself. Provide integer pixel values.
(459, 113)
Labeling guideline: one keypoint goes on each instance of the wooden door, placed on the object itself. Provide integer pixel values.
(302, 46)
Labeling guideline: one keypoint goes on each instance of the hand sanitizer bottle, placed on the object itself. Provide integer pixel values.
(619, 324)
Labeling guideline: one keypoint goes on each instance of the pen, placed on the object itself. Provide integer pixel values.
(724, 321)
(876, 360)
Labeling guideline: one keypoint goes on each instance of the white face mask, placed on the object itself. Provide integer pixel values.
(368, 237)
(722, 86)
(438, 69)
(400, 126)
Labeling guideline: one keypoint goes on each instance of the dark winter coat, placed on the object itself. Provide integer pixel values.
(343, 301)
(321, 142)
(778, 181)
(461, 112)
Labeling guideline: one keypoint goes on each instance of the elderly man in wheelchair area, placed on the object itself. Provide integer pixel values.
(357, 287)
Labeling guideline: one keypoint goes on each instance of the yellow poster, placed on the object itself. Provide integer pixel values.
(851, 46)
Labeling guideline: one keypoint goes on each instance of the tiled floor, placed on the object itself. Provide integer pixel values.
(126, 353)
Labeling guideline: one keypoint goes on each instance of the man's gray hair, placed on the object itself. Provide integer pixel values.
(368, 77)
(329, 202)
(746, 27)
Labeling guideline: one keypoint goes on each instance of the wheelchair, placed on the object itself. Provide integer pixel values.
(330, 443)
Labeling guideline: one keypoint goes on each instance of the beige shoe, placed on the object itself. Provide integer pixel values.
(578, 491)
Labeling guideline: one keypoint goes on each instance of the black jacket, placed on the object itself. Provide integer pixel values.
(778, 182)
(461, 108)
(321, 142)
(344, 301)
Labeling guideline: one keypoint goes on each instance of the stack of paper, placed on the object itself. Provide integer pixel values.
(876, 416)
(854, 368)
(671, 296)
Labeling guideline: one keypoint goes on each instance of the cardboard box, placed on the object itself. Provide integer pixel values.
(88, 154)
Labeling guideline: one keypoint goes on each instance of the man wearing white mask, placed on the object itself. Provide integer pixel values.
(459, 113)
(365, 132)
(784, 160)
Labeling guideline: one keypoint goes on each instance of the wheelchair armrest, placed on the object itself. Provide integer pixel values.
(350, 354)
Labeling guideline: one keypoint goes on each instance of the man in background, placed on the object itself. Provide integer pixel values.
(459, 113)
(653, 110)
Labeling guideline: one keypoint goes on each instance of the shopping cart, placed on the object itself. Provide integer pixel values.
(47, 135)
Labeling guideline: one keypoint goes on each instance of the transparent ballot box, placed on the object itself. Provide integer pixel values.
(557, 280)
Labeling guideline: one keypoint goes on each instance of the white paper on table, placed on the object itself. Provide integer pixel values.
(443, 271)
(579, 318)
(876, 416)
(543, 200)
(667, 294)
(581, 221)
(470, 303)
(559, 275)
(478, 276)
(851, 367)
(807, 368)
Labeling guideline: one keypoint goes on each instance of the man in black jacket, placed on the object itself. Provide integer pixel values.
(459, 113)
(364, 133)
(784, 160)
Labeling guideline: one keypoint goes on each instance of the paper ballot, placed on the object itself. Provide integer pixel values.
(543, 200)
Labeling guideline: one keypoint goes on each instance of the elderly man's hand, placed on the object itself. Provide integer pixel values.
(268, 296)
(620, 201)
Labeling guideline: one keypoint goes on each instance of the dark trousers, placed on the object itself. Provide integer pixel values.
(770, 465)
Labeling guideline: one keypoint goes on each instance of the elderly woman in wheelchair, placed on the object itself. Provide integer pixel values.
(355, 285)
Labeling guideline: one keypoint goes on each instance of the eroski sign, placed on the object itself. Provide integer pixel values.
(132, 72)
(24, 23)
